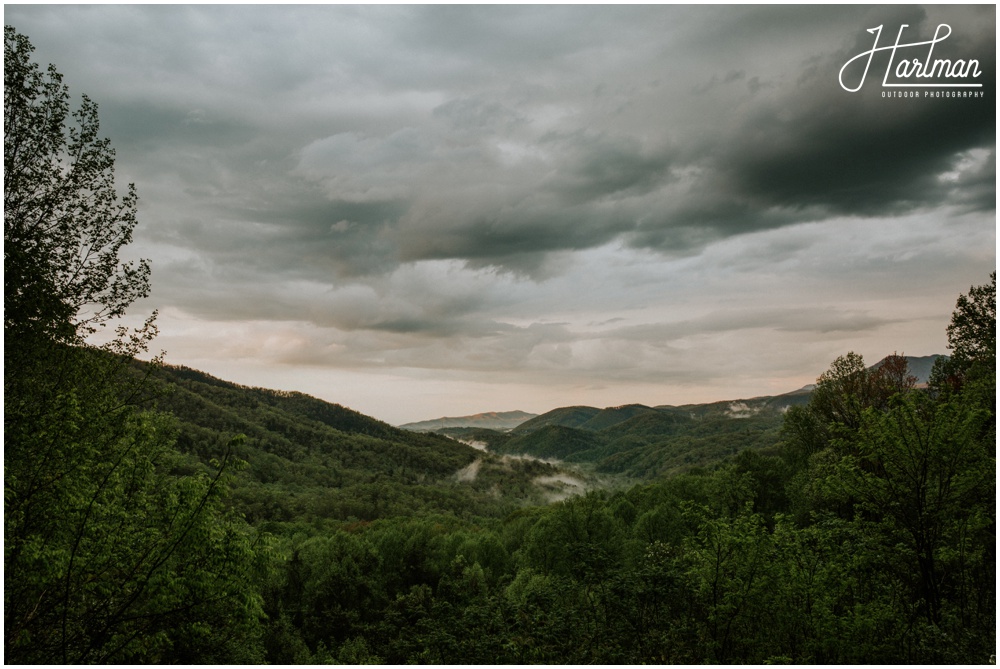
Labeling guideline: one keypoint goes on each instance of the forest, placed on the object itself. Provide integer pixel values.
(155, 514)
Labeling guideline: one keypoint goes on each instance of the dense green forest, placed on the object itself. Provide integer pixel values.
(643, 442)
(311, 464)
(154, 514)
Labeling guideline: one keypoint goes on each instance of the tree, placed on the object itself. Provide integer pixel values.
(729, 566)
(108, 557)
(844, 391)
(924, 483)
(64, 224)
(972, 334)
(911, 475)
(836, 409)
(64, 228)
(972, 339)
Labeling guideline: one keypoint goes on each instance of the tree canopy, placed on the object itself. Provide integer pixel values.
(64, 222)
(108, 556)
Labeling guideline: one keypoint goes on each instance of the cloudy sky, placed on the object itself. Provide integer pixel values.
(425, 211)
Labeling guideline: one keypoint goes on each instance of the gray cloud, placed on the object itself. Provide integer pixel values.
(475, 123)
(588, 194)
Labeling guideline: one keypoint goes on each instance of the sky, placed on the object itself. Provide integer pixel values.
(424, 211)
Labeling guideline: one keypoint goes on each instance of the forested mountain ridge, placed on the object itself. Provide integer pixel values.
(492, 420)
(593, 418)
(333, 464)
(247, 399)
(647, 442)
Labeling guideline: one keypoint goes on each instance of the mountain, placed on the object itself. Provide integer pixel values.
(493, 420)
(593, 418)
(316, 462)
(612, 416)
(919, 366)
(556, 441)
(633, 418)
(566, 416)
(644, 442)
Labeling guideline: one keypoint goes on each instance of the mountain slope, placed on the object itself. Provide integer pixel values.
(493, 420)
(556, 441)
(612, 416)
(313, 459)
(310, 461)
(574, 416)
(643, 441)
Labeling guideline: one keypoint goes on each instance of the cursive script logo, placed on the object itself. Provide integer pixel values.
(941, 68)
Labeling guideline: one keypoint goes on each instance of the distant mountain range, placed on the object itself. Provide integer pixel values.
(493, 420)
(594, 419)
(644, 442)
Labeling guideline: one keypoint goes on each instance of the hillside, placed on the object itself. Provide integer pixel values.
(555, 441)
(429, 545)
(319, 463)
(919, 366)
(310, 460)
(493, 420)
(646, 442)
(574, 416)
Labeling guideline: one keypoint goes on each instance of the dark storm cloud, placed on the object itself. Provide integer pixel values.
(321, 238)
(728, 78)
(589, 189)
(144, 124)
(973, 186)
(811, 151)
(425, 185)
(854, 154)
(478, 114)
(600, 166)
(806, 152)
(500, 135)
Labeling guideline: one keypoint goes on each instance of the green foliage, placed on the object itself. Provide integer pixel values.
(925, 478)
(567, 416)
(64, 225)
(972, 333)
(848, 388)
(641, 442)
(865, 535)
(972, 339)
(108, 556)
(319, 465)
(555, 441)
(728, 564)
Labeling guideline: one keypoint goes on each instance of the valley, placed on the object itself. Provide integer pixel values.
(581, 535)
